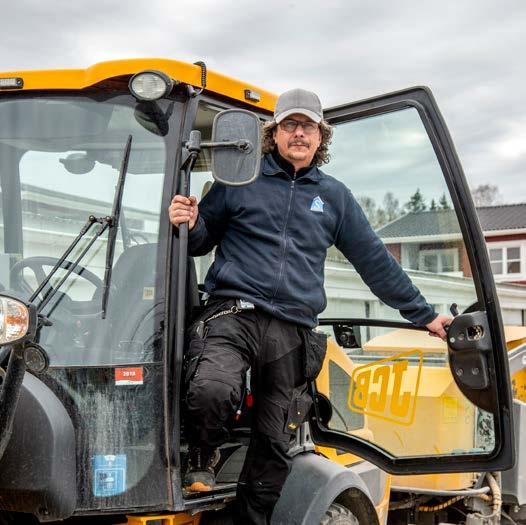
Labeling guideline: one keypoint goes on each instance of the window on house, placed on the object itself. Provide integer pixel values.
(438, 261)
(505, 260)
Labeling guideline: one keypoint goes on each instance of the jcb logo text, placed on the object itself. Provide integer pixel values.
(388, 388)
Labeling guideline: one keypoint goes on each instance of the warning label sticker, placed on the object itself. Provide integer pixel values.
(129, 376)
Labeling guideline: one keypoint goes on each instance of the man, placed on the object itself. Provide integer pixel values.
(266, 290)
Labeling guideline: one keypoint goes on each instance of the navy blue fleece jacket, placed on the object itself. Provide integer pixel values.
(272, 238)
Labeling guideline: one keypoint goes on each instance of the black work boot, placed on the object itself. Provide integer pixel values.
(200, 475)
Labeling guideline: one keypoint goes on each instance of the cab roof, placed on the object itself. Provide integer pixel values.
(67, 79)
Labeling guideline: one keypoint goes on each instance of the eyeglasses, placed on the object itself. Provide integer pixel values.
(290, 125)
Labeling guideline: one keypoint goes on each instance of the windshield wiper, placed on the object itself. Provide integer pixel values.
(111, 222)
(112, 236)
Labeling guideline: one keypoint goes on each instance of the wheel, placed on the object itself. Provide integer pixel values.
(339, 515)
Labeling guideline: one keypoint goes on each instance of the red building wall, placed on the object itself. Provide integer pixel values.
(499, 238)
(396, 251)
(465, 267)
(464, 262)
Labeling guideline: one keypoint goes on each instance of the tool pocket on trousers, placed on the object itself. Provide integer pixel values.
(192, 359)
(298, 409)
(314, 350)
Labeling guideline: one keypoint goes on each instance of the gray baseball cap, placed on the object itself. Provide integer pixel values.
(298, 101)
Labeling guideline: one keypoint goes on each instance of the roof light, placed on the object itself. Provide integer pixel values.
(11, 83)
(150, 85)
(14, 320)
(254, 96)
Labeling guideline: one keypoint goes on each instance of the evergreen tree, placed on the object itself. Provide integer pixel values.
(443, 203)
(416, 202)
(433, 205)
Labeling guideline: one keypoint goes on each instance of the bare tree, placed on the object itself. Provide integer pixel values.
(368, 206)
(391, 207)
(486, 195)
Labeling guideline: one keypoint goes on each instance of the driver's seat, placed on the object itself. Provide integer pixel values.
(134, 304)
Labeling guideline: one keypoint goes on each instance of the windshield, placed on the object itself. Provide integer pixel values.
(59, 163)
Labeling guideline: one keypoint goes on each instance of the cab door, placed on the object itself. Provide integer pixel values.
(389, 392)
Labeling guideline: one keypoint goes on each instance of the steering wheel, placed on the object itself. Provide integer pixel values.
(36, 265)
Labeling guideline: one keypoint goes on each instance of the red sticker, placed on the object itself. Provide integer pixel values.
(128, 376)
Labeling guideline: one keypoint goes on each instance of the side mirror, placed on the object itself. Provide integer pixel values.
(237, 162)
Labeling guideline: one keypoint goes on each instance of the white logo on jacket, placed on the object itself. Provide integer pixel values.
(317, 204)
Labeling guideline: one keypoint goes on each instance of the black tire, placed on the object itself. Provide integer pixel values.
(339, 515)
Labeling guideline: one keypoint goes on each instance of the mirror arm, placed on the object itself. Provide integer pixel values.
(242, 145)
(194, 145)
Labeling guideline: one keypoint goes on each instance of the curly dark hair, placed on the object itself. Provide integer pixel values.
(321, 156)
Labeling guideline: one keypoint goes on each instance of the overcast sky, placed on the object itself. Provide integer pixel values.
(470, 52)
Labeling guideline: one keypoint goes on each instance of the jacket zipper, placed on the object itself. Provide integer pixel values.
(284, 238)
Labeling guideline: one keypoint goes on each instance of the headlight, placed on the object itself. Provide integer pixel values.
(14, 320)
(150, 85)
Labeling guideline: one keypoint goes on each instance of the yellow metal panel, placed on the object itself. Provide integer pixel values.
(390, 379)
(72, 79)
(518, 383)
(437, 380)
(180, 518)
(403, 340)
(382, 508)
(515, 334)
(441, 425)
(462, 480)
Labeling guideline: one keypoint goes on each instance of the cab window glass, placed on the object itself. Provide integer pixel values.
(389, 165)
(395, 389)
(201, 179)
(60, 165)
(399, 380)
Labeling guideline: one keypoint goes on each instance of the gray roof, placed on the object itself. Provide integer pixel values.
(505, 217)
(444, 222)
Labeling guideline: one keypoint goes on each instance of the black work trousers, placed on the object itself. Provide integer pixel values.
(217, 362)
